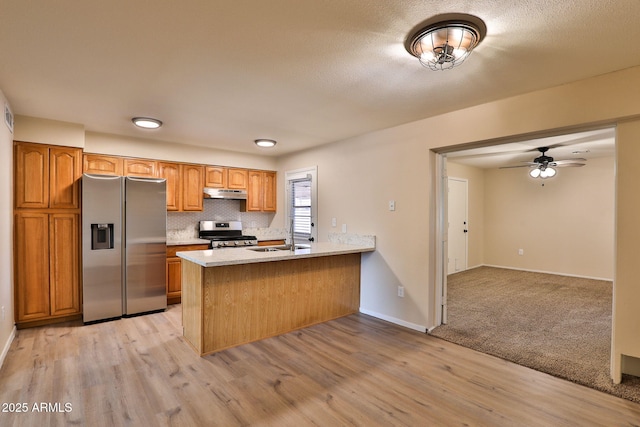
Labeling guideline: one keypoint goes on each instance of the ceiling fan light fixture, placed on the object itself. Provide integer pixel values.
(551, 172)
(146, 122)
(534, 173)
(445, 41)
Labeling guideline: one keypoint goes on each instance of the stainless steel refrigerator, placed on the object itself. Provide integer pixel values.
(124, 224)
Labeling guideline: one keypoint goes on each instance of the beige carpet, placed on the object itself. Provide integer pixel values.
(555, 324)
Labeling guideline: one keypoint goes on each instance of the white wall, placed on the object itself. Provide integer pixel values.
(359, 175)
(356, 180)
(564, 227)
(52, 132)
(145, 148)
(7, 329)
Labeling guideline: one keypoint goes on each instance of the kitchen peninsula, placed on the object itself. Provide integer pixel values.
(236, 296)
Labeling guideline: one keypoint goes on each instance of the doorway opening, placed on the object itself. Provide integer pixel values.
(458, 227)
(532, 224)
(301, 189)
(558, 232)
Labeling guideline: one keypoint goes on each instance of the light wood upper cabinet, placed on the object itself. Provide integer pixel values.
(238, 179)
(140, 167)
(31, 162)
(103, 165)
(261, 195)
(254, 195)
(192, 187)
(269, 188)
(65, 170)
(47, 176)
(215, 177)
(172, 172)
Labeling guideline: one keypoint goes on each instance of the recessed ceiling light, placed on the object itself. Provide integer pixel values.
(146, 122)
(266, 143)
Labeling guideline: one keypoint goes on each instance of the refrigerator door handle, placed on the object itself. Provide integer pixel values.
(103, 177)
(133, 178)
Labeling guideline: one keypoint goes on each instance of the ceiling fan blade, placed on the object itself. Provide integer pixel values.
(576, 160)
(568, 165)
(528, 165)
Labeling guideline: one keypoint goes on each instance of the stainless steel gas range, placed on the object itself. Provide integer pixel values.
(225, 234)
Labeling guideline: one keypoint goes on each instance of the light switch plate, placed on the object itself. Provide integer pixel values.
(392, 205)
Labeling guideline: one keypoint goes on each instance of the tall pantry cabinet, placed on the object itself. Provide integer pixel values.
(46, 232)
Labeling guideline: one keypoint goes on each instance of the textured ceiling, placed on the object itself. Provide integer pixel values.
(223, 73)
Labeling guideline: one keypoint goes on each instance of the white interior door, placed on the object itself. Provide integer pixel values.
(458, 225)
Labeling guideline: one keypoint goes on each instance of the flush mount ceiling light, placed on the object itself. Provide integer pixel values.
(265, 143)
(146, 122)
(445, 41)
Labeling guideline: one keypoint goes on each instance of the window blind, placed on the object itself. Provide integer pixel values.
(301, 209)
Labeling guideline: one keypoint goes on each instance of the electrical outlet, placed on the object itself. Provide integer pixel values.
(334, 222)
(520, 251)
(344, 228)
(401, 291)
(392, 205)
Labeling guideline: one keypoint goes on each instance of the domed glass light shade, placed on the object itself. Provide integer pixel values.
(444, 45)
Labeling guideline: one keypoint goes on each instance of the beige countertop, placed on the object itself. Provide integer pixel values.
(187, 241)
(231, 256)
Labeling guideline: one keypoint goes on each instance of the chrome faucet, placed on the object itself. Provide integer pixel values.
(293, 243)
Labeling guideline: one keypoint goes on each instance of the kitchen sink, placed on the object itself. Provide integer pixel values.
(264, 249)
(278, 248)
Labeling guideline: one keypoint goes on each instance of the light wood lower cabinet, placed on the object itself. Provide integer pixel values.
(174, 270)
(47, 266)
(229, 305)
(271, 242)
(31, 257)
(64, 263)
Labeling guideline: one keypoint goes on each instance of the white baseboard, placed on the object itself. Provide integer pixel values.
(7, 345)
(390, 319)
(549, 272)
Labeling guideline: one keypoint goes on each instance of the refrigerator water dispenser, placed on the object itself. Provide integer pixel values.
(101, 236)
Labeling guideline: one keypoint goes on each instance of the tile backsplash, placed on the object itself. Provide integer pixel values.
(217, 210)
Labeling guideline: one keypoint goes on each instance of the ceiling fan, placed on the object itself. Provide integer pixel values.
(543, 165)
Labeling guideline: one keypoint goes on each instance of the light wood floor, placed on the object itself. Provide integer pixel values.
(352, 371)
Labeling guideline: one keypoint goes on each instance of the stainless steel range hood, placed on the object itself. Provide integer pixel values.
(219, 193)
